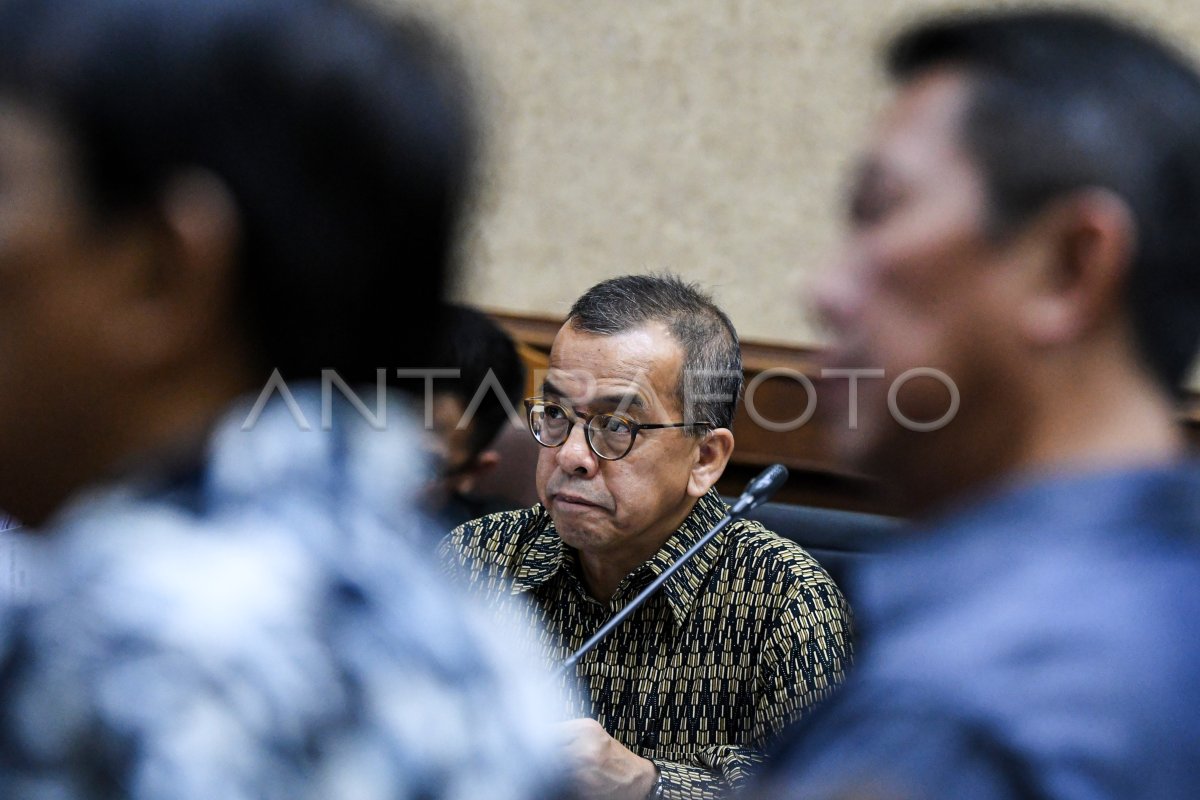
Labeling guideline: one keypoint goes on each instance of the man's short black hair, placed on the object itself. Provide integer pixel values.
(342, 133)
(711, 382)
(1064, 100)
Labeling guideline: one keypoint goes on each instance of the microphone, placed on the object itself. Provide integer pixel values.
(760, 489)
(757, 492)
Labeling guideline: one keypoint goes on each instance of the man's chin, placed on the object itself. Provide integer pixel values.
(578, 537)
(853, 449)
(871, 453)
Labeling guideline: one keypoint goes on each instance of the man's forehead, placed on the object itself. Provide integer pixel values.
(583, 386)
(922, 124)
(637, 365)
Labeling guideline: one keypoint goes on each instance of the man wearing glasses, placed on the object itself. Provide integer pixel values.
(634, 419)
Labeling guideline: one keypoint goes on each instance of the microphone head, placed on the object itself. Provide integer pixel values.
(761, 488)
(768, 481)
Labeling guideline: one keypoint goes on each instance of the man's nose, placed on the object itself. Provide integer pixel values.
(831, 297)
(574, 455)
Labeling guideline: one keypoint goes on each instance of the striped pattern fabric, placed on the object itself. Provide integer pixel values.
(701, 679)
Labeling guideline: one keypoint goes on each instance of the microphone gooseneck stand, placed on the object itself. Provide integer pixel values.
(757, 492)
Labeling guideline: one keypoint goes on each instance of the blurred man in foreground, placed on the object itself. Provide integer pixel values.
(213, 216)
(1025, 224)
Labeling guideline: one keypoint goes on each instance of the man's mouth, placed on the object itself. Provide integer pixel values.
(565, 498)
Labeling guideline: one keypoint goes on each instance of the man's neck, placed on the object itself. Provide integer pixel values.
(1070, 414)
(1115, 421)
(158, 425)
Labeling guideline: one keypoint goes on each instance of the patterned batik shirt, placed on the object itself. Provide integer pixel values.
(255, 625)
(702, 678)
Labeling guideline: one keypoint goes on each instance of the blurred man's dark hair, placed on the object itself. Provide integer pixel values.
(346, 147)
(318, 154)
(1062, 100)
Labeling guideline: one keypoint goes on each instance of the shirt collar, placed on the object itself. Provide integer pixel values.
(548, 555)
(545, 556)
(685, 585)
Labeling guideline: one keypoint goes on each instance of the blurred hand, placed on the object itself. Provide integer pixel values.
(604, 769)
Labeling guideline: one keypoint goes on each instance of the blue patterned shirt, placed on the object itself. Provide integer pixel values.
(258, 623)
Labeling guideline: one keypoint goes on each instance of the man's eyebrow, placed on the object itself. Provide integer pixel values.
(623, 401)
(620, 400)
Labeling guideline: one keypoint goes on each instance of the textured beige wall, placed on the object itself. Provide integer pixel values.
(707, 137)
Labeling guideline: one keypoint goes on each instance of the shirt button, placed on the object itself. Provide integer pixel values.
(649, 739)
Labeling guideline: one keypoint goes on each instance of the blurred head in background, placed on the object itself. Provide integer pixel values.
(194, 195)
(470, 408)
(1024, 223)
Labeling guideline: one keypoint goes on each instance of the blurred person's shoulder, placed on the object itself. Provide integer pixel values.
(1020, 633)
(1062, 587)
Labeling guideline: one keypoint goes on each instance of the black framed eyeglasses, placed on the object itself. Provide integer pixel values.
(609, 436)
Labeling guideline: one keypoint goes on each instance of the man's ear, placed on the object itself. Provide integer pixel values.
(712, 454)
(1090, 237)
(175, 275)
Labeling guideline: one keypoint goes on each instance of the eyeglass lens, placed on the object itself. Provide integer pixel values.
(609, 436)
